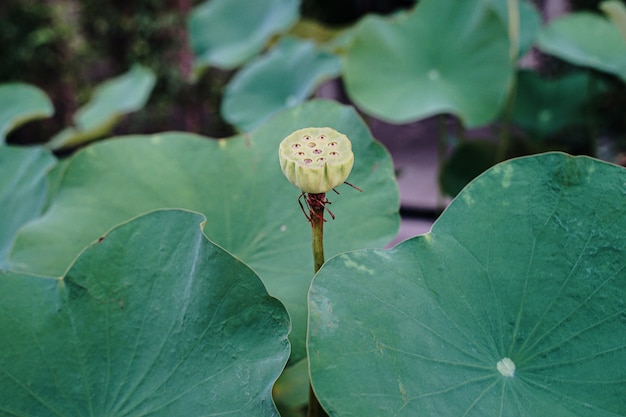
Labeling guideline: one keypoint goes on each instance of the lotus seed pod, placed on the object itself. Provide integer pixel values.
(316, 159)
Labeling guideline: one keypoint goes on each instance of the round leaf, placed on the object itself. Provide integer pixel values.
(226, 33)
(513, 305)
(252, 209)
(588, 40)
(284, 77)
(153, 319)
(417, 66)
(20, 103)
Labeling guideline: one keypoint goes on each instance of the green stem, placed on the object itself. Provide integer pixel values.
(514, 49)
(514, 29)
(316, 204)
(591, 112)
(317, 230)
(504, 142)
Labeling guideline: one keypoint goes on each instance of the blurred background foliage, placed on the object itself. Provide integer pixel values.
(68, 47)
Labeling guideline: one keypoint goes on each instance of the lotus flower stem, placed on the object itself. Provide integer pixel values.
(317, 206)
(316, 160)
(317, 229)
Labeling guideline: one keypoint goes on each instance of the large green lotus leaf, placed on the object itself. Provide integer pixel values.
(23, 190)
(111, 100)
(445, 57)
(284, 77)
(226, 33)
(588, 40)
(153, 319)
(527, 263)
(20, 103)
(252, 209)
(543, 106)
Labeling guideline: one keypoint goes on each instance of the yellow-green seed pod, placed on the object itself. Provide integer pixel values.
(316, 159)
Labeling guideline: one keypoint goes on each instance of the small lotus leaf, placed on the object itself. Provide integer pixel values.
(286, 76)
(226, 33)
(444, 57)
(111, 100)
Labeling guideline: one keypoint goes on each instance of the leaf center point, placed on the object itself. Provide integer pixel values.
(506, 367)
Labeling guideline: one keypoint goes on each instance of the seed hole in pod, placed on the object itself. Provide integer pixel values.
(311, 144)
(317, 151)
(322, 159)
(296, 145)
(321, 137)
(306, 137)
(332, 144)
(300, 153)
(333, 154)
(308, 161)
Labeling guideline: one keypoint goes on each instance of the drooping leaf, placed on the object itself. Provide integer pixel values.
(444, 57)
(237, 183)
(111, 100)
(226, 33)
(23, 190)
(588, 40)
(20, 103)
(153, 319)
(527, 263)
(284, 77)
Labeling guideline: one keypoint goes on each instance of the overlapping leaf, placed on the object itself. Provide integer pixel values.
(513, 305)
(153, 319)
(226, 33)
(251, 209)
(283, 78)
